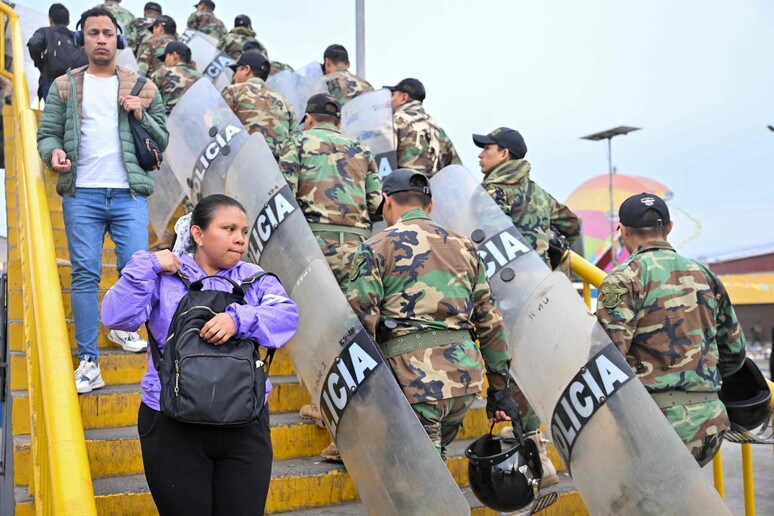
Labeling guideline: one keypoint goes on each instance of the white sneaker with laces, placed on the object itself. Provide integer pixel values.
(128, 340)
(88, 377)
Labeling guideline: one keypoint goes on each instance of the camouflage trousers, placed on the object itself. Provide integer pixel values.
(701, 427)
(529, 419)
(339, 257)
(443, 419)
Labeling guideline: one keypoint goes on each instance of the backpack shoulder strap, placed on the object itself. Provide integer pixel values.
(255, 277)
(138, 85)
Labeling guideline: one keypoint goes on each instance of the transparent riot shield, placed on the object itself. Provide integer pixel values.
(386, 450)
(204, 135)
(368, 119)
(30, 20)
(167, 195)
(298, 86)
(127, 59)
(623, 454)
(210, 61)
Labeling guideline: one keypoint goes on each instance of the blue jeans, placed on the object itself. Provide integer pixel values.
(87, 216)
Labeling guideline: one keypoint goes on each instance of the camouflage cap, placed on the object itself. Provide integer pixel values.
(505, 137)
(413, 87)
(242, 21)
(631, 212)
(324, 104)
(153, 6)
(401, 181)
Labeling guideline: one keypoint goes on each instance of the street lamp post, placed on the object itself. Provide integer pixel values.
(609, 135)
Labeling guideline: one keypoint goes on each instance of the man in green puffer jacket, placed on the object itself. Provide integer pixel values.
(85, 136)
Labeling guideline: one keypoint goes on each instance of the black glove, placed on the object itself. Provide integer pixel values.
(501, 400)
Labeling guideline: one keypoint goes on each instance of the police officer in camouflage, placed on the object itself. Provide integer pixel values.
(421, 291)
(123, 16)
(336, 183)
(422, 145)
(204, 20)
(141, 27)
(234, 42)
(342, 84)
(176, 76)
(672, 319)
(533, 211)
(257, 106)
(149, 56)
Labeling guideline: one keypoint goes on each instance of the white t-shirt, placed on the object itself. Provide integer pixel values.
(99, 156)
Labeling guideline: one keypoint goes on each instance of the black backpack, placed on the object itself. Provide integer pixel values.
(203, 383)
(145, 148)
(62, 53)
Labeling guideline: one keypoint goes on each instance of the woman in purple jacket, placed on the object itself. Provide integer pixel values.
(195, 469)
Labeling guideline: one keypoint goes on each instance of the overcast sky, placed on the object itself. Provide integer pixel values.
(693, 74)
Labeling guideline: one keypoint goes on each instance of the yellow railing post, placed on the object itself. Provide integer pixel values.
(717, 473)
(747, 478)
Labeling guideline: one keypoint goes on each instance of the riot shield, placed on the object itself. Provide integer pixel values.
(30, 20)
(298, 86)
(623, 454)
(368, 119)
(127, 59)
(204, 135)
(386, 450)
(210, 61)
(167, 195)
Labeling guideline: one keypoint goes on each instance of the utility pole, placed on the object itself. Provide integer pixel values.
(360, 37)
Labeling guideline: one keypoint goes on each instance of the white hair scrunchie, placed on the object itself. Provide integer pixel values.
(184, 244)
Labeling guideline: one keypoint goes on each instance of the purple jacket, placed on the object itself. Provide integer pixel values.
(143, 293)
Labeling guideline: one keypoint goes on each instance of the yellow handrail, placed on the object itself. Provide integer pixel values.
(61, 479)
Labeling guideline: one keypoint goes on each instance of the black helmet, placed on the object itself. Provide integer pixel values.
(746, 396)
(504, 472)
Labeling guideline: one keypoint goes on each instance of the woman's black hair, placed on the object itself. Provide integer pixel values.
(205, 210)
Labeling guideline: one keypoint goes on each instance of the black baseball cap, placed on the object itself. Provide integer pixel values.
(242, 21)
(165, 21)
(505, 137)
(632, 209)
(177, 47)
(208, 3)
(153, 6)
(324, 104)
(252, 58)
(414, 88)
(400, 181)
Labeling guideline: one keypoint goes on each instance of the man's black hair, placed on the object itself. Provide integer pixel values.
(650, 233)
(511, 157)
(322, 118)
(337, 54)
(96, 12)
(59, 14)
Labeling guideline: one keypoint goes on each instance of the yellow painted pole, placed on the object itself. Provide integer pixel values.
(747, 479)
(717, 471)
(586, 269)
(587, 294)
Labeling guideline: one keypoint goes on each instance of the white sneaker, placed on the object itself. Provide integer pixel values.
(128, 340)
(88, 377)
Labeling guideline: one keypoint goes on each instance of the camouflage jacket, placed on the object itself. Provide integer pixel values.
(532, 209)
(141, 32)
(672, 319)
(148, 59)
(421, 144)
(123, 16)
(233, 42)
(173, 82)
(345, 85)
(334, 177)
(427, 278)
(260, 108)
(205, 21)
(277, 67)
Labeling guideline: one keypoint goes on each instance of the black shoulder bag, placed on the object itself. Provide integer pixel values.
(146, 148)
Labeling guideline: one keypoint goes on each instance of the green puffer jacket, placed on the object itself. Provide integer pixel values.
(60, 127)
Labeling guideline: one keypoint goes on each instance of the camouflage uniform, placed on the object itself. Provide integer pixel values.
(277, 67)
(123, 16)
(532, 209)
(336, 182)
(421, 144)
(345, 85)
(672, 319)
(426, 278)
(148, 59)
(141, 32)
(233, 43)
(260, 108)
(173, 82)
(205, 21)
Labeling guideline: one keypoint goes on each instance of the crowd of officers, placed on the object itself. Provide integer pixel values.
(416, 277)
